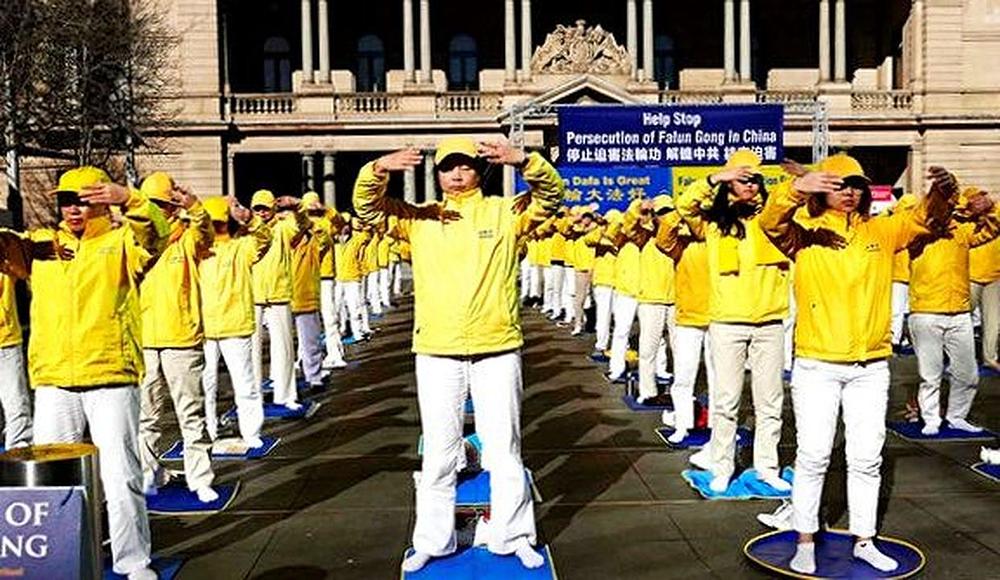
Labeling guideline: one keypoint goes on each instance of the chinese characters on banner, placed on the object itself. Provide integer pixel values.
(613, 186)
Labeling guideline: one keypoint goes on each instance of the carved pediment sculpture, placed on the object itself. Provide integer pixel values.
(581, 49)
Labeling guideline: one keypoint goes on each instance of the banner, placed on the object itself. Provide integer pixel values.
(668, 135)
(41, 530)
(611, 186)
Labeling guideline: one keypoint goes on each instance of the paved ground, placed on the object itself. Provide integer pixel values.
(335, 499)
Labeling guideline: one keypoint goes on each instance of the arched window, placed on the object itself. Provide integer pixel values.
(664, 65)
(371, 64)
(463, 66)
(277, 65)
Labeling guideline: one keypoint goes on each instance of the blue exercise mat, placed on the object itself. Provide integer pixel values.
(746, 486)
(480, 564)
(988, 470)
(472, 439)
(474, 489)
(664, 381)
(985, 371)
(469, 409)
(599, 357)
(348, 340)
(176, 452)
(166, 568)
(911, 431)
(273, 411)
(176, 499)
(834, 555)
(697, 438)
(634, 405)
(267, 387)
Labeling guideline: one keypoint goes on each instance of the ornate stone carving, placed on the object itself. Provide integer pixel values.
(581, 49)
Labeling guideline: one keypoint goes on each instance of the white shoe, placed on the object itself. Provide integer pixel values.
(142, 574)
(206, 494)
(775, 481)
(804, 560)
(867, 551)
(254, 442)
(780, 519)
(702, 459)
(678, 436)
(154, 480)
(991, 456)
(719, 484)
(963, 425)
(930, 430)
(667, 418)
(293, 406)
(415, 561)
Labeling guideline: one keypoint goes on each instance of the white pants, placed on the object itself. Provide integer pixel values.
(372, 295)
(112, 415)
(535, 281)
(819, 391)
(553, 289)
(397, 278)
(307, 330)
(349, 294)
(237, 352)
(384, 286)
(900, 306)
(603, 297)
(655, 320)
(278, 319)
(14, 398)
(568, 299)
(624, 311)
(789, 326)
(733, 346)
(525, 278)
(331, 323)
(689, 343)
(936, 335)
(987, 298)
(495, 384)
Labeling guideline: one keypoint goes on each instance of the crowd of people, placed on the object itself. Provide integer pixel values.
(138, 292)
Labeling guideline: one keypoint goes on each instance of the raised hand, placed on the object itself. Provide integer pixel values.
(239, 213)
(398, 161)
(501, 153)
(105, 193)
(793, 167)
(734, 174)
(286, 202)
(980, 204)
(817, 182)
(943, 182)
(49, 250)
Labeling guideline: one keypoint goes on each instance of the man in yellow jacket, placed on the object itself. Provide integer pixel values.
(843, 277)
(467, 332)
(940, 321)
(628, 278)
(272, 289)
(349, 248)
(748, 304)
(603, 281)
(984, 275)
(307, 253)
(85, 361)
(228, 312)
(330, 222)
(13, 386)
(172, 337)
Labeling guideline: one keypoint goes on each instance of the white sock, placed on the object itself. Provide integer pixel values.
(254, 442)
(866, 550)
(775, 481)
(415, 561)
(293, 406)
(930, 430)
(667, 418)
(804, 559)
(719, 484)
(206, 494)
(678, 436)
(528, 556)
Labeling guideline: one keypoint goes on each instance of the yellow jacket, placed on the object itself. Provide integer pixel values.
(628, 276)
(85, 318)
(369, 262)
(749, 276)
(691, 279)
(272, 275)
(984, 262)
(843, 295)
(326, 263)
(169, 296)
(305, 270)
(384, 245)
(465, 270)
(901, 267)
(226, 282)
(605, 257)
(585, 257)
(10, 327)
(348, 257)
(939, 273)
(557, 248)
(545, 251)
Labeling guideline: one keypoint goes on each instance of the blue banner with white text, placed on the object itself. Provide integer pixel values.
(611, 187)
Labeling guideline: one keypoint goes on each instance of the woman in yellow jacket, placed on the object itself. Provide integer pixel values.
(748, 304)
(628, 278)
(13, 389)
(940, 321)
(307, 253)
(349, 259)
(329, 221)
(584, 259)
(85, 361)
(371, 295)
(467, 331)
(228, 312)
(603, 281)
(172, 340)
(901, 280)
(843, 277)
(984, 274)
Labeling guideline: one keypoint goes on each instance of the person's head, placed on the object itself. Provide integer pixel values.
(262, 204)
(158, 188)
(855, 194)
(745, 190)
(738, 199)
(457, 165)
(74, 211)
(663, 204)
(217, 209)
(312, 204)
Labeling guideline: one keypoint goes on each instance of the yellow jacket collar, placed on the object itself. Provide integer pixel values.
(95, 227)
(463, 197)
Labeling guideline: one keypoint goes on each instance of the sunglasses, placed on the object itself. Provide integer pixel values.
(261, 208)
(70, 198)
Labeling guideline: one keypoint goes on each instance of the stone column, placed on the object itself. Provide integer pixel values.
(307, 41)
(745, 41)
(647, 39)
(410, 186)
(509, 42)
(408, 40)
(824, 40)
(840, 42)
(729, 41)
(308, 172)
(231, 173)
(430, 192)
(508, 181)
(916, 70)
(425, 41)
(329, 184)
(526, 40)
(631, 34)
(324, 41)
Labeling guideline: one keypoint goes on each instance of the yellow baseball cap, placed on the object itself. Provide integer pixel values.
(613, 215)
(663, 201)
(310, 198)
(78, 178)
(455, 146)
(262, 197)
(843, 165)
(744, 158)
(217, 208)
